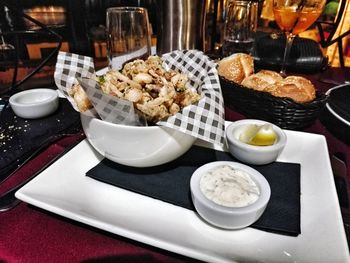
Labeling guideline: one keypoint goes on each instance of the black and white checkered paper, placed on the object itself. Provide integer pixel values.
(111, 108)
(204, 120)
(69, 67)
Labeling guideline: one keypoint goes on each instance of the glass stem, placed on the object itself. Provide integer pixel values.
(289, 42)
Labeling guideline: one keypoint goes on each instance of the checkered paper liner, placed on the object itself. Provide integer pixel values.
(69, 67)
(110, 108)
(204, 120)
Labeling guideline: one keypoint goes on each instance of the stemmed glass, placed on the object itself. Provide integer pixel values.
(128, 35)
(294, 17)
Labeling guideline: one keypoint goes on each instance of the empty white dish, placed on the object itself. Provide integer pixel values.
(34, 103)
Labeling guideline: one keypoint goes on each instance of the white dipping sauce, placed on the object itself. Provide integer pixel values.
(230, 187)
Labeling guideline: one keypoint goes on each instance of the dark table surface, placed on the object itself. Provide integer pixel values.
(29, 234)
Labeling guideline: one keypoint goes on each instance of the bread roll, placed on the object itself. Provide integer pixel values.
(262, 79)
(297, 88)
(236, 67)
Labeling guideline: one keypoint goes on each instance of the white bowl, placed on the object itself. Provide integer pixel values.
(34, 103)
(224, 216)
(252, 154)
(135, 146)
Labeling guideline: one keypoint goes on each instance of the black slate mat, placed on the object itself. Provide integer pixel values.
(19, 138)
(171, 183)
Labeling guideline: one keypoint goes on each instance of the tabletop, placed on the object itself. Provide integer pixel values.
(30, 234)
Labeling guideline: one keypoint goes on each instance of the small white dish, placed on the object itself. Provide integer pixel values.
(251, 154)
(34, 103)
(224, 216)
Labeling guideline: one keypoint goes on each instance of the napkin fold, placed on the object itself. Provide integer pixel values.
(19, 138)
(171, 183)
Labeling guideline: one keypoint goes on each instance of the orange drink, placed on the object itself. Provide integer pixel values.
(289, 19)
(294, 17)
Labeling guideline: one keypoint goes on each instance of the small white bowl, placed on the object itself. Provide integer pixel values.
(252, 154)
(34, 103)
(224, 216)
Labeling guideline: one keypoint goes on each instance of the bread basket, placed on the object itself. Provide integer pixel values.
(283, 112)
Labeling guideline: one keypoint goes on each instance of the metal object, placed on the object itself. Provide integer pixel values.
(340, 177)
(339, 167)
(181, 25)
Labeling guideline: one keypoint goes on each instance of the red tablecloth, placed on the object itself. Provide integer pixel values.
(29, 234)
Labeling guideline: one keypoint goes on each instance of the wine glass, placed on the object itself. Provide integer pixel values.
(294, 17)
(240, 27)
(128, 35)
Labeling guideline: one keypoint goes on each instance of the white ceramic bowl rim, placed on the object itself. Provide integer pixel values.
(121, 126)
(47, 95)
(282, 137)
(259, 179)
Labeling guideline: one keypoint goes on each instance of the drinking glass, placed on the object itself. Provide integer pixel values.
(240, 27)
(294, 17)
(128, 35)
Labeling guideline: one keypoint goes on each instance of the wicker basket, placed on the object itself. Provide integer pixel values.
(283, 112)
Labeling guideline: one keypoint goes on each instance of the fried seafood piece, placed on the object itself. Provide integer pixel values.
(116, 84)
(165, 100)
(137, 66)
(133, 95)
(154, 110)
(154, 62)
(143, 78)
(186, 98)
(81, 99)
(132, 68)
(179, 80)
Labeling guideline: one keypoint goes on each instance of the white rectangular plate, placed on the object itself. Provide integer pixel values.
(64, 189)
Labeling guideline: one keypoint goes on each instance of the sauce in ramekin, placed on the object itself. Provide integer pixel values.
(229, 187)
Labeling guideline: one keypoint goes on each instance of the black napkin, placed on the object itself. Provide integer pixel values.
(21, 137)
(171, 183)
